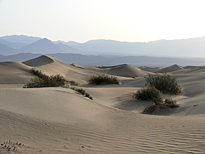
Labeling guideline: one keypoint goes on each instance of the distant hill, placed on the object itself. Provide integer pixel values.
(1, 57)
(109, 47)
(14, 45)
(71, 43)
(193, 47)
(18, 57)
(43, 46)
(20, 38)
(66, 48)
(5, 50)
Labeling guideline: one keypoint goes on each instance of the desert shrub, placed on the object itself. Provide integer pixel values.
(56, 80)
(82, 91)
(34, 83)
(44, 80)
(38, 73)
(149, 93)
(103, 79)
(88, 95)
(74, 83)
(171, 103)
(163, 82)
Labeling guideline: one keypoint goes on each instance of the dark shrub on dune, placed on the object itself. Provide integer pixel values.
(82, 91)
(39, 73)
(163, 82)
(44, 80)
(150, 94)
(157, 83)
(103, 79)
(88, 95)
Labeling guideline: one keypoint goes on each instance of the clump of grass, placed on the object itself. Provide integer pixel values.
(163, 82)
(103, 79)
(150, 94)
(44, 80)
(82, 91)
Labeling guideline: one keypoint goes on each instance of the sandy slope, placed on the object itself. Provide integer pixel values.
(14, 73)
(59, 120)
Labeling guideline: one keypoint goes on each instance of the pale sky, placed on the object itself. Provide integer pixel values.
(122, 20)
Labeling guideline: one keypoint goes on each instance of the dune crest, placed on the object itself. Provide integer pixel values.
(39, 61)
(127, 71)
(170, 69)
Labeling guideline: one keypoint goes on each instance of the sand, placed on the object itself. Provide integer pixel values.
(60, 120)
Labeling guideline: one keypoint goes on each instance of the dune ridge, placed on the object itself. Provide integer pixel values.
(39, 61)
(126, 71)
(170, 69)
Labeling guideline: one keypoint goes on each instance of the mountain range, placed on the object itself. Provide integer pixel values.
(14, 44)
(159, 53)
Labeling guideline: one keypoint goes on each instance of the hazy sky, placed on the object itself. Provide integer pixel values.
(123, 20)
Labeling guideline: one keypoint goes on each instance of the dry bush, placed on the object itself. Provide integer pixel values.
(103, 79)
(44, 80)
(163, 82)
(149, 93)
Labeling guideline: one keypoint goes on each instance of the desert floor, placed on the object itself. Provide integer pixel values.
(60, 120)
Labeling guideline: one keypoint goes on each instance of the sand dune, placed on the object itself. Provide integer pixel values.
(124, 70)
(127, 71)
(149, 69)
(42, 60)
(170, 69)
(52, 66)
(14, 73)
(60, 120)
